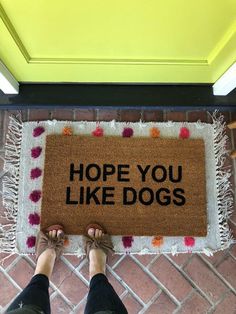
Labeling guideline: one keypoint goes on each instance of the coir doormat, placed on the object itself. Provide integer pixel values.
(174, 151)
(137, 185)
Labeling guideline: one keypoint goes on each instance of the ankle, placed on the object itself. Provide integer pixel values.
(46, 263)
(96, 271)
(97, 262)
(97, 255)
(50, 252)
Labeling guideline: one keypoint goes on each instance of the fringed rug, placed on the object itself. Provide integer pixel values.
(30, 172)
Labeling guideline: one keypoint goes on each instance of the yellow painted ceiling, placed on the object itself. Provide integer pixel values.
(151, 41)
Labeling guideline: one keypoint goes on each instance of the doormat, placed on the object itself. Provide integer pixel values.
(135, 185)
(27, 170)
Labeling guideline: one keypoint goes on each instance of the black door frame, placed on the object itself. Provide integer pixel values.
(125, 96)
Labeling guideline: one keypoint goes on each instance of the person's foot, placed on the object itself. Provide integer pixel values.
(97, 258)
(46, 260)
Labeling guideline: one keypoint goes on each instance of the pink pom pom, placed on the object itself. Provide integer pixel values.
(127, 241)
(98, 131)
(34, 219)
(31, 241)
(189, 241)
(35, 196)
(127, 132)
(35, 173)
(184, 133)
(38, 131)
(36, 151)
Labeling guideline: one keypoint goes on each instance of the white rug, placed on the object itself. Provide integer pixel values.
(19, 235)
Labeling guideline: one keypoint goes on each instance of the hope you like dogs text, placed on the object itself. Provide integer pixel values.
(79, 194)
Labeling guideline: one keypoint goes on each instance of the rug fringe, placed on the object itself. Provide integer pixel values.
(224, 190)
(11, 184)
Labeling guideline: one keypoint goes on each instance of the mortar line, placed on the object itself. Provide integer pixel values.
(68, 302)
(13, 263)
(57, 288)
(61, 294)
(234, 223)
(234, 257)
(122, 282)
(81, 265)
(210, 310)
(123, 294)
(152, 300)
(186, 276)
(220, 259)
(11, 280)
(153, 261)
(188, 296)
(118, 262)
(75, 307)
(53, 295)
(55, 292)
(14, 284)
(221, 299)
(219, 275)
(159, 283)
(83, 279)
(186, 262)
(74, 270)
(30, 260)
(70, 265)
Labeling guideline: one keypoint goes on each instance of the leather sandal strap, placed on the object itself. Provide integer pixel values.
(104, 243)
(43, 242)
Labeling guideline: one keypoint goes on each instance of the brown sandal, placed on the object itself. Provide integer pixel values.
(44, 242)
(103, 243)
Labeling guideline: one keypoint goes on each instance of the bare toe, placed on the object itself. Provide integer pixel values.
(91, 232)
(97, 233)
(59, 233)
(100, 233)
(54, 232)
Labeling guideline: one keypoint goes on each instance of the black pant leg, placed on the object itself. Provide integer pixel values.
(35, 293)
(103, 297)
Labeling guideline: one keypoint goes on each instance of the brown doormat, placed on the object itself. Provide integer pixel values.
(132, 186)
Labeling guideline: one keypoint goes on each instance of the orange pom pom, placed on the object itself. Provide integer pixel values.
(157, 241)
(155, 132)
(66, 242)
(67, 130)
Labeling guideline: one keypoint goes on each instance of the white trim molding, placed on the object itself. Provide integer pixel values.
(8, 84)
(226, 83)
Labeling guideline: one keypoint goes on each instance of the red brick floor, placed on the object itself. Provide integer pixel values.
(188, 283)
